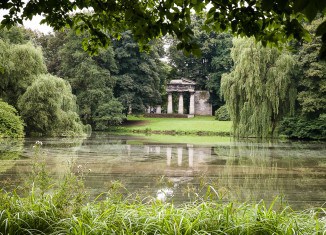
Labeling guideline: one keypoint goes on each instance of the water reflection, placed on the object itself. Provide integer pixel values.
(236, 170)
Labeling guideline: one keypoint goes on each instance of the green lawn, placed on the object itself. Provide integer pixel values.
(188, 125)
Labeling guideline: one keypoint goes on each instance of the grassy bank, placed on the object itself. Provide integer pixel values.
(65, 211)
(198, 125)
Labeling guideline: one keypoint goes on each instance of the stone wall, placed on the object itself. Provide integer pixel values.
(202, 104)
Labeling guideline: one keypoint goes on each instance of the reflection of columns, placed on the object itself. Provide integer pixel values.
(168, 155)
(157, 149)
(146, 149)
(180, 109)
(191, 156)
(129, 149)
(170, 109)
(192, 103)
(179, 156)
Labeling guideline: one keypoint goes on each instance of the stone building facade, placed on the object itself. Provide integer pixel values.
(199, 100)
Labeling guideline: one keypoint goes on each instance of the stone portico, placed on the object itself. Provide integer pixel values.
(199, 100)
(180, 86)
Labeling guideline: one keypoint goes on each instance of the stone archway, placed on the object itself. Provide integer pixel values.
(181, 85)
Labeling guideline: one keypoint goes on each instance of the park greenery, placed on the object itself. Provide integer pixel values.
(58, 89)
(51, 86)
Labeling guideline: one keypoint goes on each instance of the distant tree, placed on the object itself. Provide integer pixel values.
(90, 76)
(260, 90)
(312, 79)
(11, 125)
(140, 76)
(16, 35)
(48, 107)
(309, 121)
(109, 114)
(19, 66)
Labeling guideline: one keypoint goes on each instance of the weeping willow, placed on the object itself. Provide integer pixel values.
(49, 108)
(260, 90)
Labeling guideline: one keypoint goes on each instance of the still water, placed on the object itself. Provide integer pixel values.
(178, 171)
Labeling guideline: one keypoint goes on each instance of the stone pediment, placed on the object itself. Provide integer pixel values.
(181, 85)
(182, 81)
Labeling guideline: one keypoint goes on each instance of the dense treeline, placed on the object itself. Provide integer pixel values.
(287, 87)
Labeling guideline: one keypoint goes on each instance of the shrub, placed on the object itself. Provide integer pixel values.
(11, 124)
(222, 114)
(109, 114)
(301, 128)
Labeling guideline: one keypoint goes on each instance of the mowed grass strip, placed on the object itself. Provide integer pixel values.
(196, 124)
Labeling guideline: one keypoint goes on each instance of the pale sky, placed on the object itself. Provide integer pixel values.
(34, 24)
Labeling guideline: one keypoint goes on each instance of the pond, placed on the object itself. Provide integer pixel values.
(180, 169)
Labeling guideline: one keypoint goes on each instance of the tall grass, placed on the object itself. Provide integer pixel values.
(64, 208)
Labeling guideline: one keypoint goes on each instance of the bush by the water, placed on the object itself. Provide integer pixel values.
(63, 208)
(300, 128)
(222, 114)
(49, 108)
(11, 125)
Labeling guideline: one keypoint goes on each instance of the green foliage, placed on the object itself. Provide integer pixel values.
(311, 109)
(222, 114)
(302, 128)
(19, 66)
(260, 90)
(109, 114)
(11, 124)
(90, 77)
(49, 108)
(140, 77)
(16, 35)
(269, 21)
(312, 77)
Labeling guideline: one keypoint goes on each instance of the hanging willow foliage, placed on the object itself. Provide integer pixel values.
(49, 108)
(260, 90)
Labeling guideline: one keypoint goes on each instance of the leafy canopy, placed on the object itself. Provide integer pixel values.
(269, 21)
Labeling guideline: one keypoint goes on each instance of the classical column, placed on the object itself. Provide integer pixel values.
(180, 109)
(192, 103)
(158, 109)
(170, 109)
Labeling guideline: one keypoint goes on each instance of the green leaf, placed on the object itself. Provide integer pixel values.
(321, 29)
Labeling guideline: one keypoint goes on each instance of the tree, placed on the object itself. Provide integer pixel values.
(11, 124)
(49, 108)
(109, 114)
(269, 21)
(19, 66)
(140, 76)
(90, 76)
(260, 90)
(309, 122)
(312, 79)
